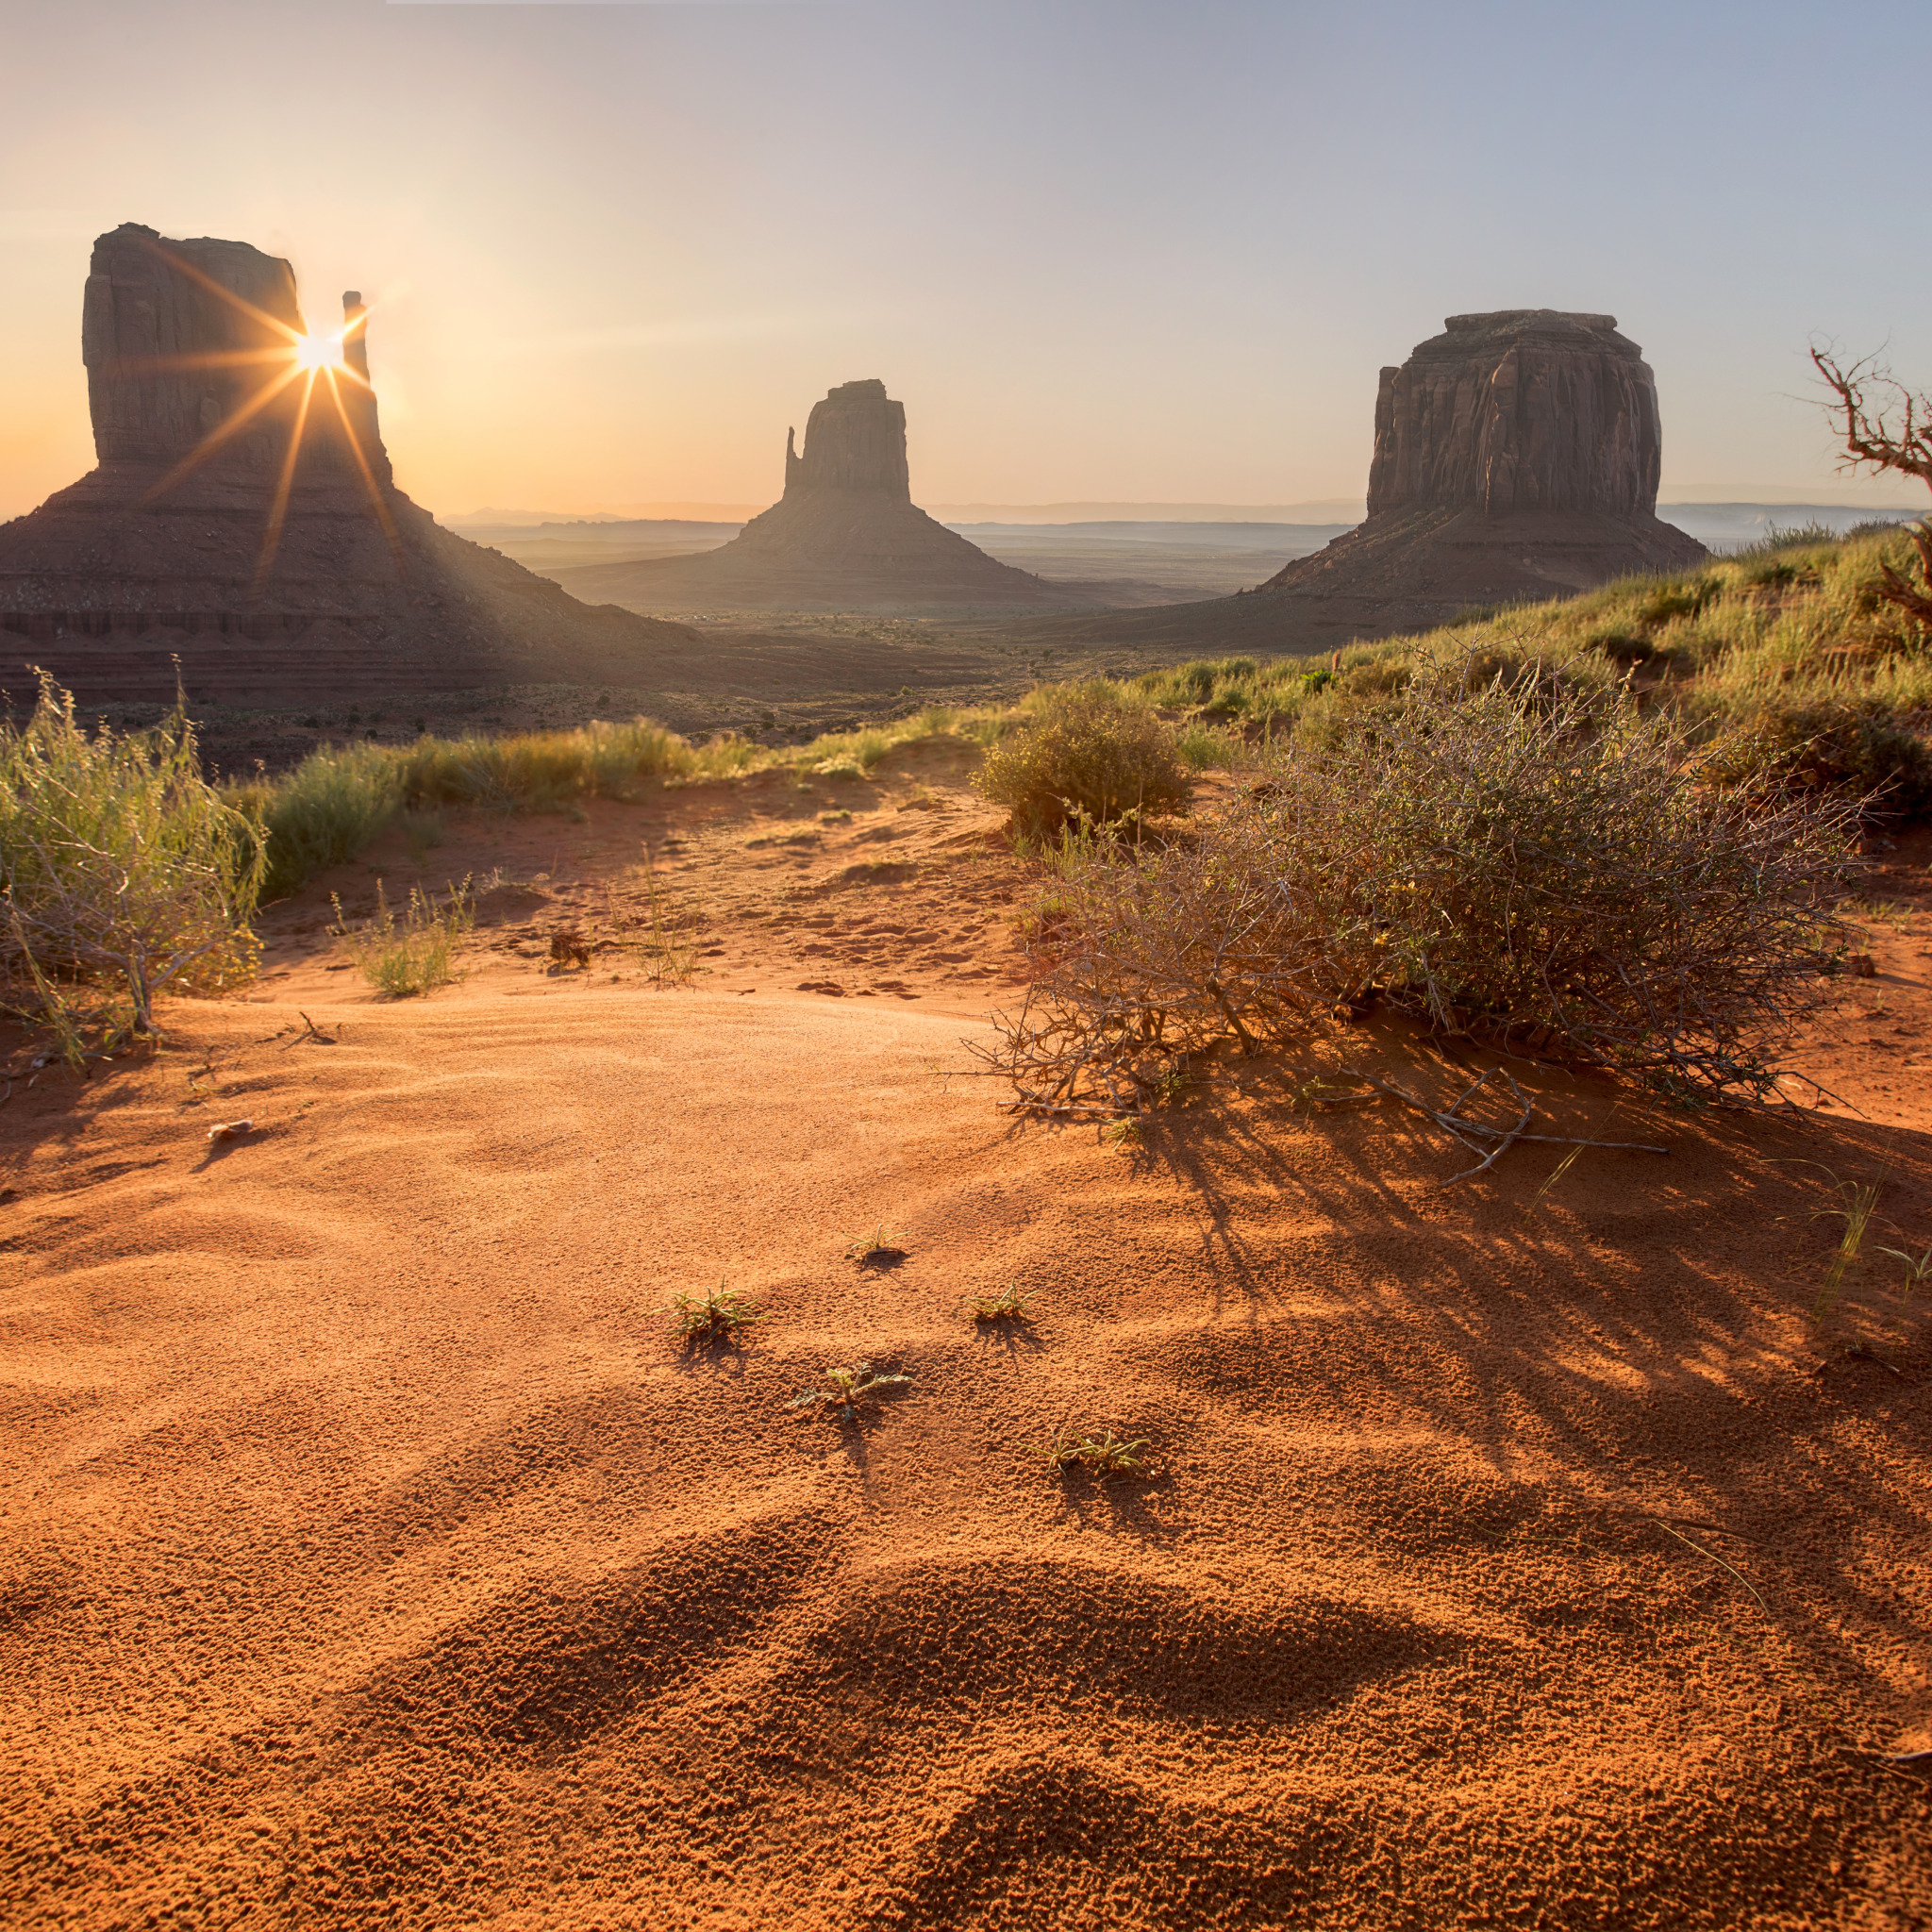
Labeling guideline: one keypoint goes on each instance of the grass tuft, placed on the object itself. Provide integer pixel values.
(416, 951)
(879, 1249)
(1008, 1304)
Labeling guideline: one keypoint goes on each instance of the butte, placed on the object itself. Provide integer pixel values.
(242, 519)
(1516, 459)
(845, 535)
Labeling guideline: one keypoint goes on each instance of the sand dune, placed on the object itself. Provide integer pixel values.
(372, 1556)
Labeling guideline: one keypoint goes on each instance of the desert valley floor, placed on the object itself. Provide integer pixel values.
(1515, 1553)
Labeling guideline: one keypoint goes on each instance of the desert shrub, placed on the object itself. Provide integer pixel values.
(1146, 956)
(1090, 753)
(322, 812)
(416, 951)
(122, 872)
(1847, 746)
(1540, 864)
(539, 771)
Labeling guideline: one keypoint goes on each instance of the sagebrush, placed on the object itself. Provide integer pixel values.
(1088, 753)
(1534, 861)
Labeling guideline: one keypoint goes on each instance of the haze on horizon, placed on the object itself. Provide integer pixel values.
(1104, 251)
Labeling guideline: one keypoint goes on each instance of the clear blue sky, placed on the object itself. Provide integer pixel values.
(1109, 251)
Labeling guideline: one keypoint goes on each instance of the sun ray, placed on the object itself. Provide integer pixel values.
(368, 482)
(223, 432)
(278, 510)
(123, 366)
(228, 296)
(305, 356)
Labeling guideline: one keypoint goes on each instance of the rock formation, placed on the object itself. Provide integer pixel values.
(1516, 459)
(1522, 410)
(242, 517)
(845, 535)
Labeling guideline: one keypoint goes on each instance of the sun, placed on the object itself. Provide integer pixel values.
(318, 351)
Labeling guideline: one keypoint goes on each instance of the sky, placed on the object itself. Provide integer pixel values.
(1102, 250)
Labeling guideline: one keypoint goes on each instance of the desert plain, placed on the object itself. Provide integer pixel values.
(1519, 1551)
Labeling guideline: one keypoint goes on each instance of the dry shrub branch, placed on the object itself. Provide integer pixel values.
(1888, 431)
(1527, 862)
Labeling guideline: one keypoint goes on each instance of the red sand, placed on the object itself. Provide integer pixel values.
(1513, 1555)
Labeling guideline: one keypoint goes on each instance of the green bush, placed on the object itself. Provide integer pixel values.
(1089, 754)
(322, 812)
(1860, 749)
(122, 872)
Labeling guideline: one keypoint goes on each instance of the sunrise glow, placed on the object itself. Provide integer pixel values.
(318, 351)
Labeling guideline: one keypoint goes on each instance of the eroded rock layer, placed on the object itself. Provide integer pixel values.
(845, 535)
(242, 518)
(1522, 411)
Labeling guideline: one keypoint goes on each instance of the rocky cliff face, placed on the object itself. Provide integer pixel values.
(853, 440)
(177, 336)
(1519, 411)
(243, 518)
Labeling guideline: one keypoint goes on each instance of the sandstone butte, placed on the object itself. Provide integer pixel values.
(845, 535)
(249, 524)
(1516, 458)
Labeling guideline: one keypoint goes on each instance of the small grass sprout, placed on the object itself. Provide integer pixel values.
(842, 1392)
(1128, 1133)
(1008, 1304)
(1918, 1269)
(1861, 1202)
(722, 1315)
(879, 1249)
(664, 942)
(1100, 1456)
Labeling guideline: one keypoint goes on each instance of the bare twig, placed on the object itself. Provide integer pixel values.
(310, 1031)
(1710, 1556)
(1460, 1127)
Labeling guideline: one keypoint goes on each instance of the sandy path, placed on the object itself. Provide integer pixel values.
(370, 1556)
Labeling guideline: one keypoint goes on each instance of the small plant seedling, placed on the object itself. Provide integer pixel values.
(1316, 1095)
(878, 1249)
(1099, 1455)
(722, 1315)
(1917, 1268)
(1123, 1134)
(1009, 1304)
(844, 1391)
